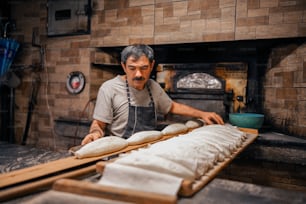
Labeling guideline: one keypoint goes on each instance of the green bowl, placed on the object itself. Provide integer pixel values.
(246, 120)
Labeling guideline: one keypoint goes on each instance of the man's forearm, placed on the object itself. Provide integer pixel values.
(182, 109)
(97, 127)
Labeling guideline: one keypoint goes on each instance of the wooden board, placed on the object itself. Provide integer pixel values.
(249, 130)
(188, 187)
(90, 189)
(30, 187)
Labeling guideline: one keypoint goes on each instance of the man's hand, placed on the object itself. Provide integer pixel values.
(212, 118)
(97, 130)
(91, 137)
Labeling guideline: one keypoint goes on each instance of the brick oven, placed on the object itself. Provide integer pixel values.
(239, 70)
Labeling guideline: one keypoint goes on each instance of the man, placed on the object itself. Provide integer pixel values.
(129, 103)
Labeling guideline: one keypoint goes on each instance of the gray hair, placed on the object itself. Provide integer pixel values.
(137, 51)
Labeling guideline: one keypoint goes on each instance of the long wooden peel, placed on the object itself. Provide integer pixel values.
(42, 184)
(95, 190)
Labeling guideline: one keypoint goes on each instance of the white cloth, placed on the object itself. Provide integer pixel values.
(128, 177)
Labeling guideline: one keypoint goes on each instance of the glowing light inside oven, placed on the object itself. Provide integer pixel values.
(198, 81)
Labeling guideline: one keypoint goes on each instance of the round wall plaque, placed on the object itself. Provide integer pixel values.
(75, 82)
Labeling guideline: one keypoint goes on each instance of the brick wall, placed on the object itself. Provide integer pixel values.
(285, 89)
(121, 22)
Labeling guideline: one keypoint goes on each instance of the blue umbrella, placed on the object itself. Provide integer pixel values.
(8, 49)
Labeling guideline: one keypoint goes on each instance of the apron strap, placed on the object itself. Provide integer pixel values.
(129, 95)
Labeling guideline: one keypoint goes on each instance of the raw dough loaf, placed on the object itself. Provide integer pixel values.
(221, 147)
(175, 128)
(225, 133)
(229, 130)
(130, 177)
(183, 155)
(191, 124)
(155, 163)
(101, 146)
(144, 136)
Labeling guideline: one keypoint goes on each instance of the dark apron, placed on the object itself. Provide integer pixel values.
(140, 118)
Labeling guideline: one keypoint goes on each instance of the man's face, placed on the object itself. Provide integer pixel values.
(138, 71)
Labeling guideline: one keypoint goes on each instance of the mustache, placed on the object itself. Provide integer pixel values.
(138, 78)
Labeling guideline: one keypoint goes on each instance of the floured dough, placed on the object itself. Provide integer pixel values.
(156, 163)
(175, 128)
(101, 146)
(144, 136)
(130, 177)
(191, 124)
(185, 155)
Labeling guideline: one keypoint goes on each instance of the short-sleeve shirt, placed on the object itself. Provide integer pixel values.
(112, 104)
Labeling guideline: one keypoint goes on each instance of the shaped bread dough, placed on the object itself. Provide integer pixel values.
(191, 124)
(155, 163)
(175, 128)
(101, 146)
(144, 136)
(190, 158)
(225, 134)
(222, 148)
(204, 147)
(221, 139)
(229, 130)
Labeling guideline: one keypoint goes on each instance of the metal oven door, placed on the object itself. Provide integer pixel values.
(68, 17)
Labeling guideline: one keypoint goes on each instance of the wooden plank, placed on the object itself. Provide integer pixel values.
(249, 130)
(31, 187)
(22, 175)
(95, 190)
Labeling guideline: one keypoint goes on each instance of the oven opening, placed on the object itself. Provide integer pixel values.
(216, 87)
